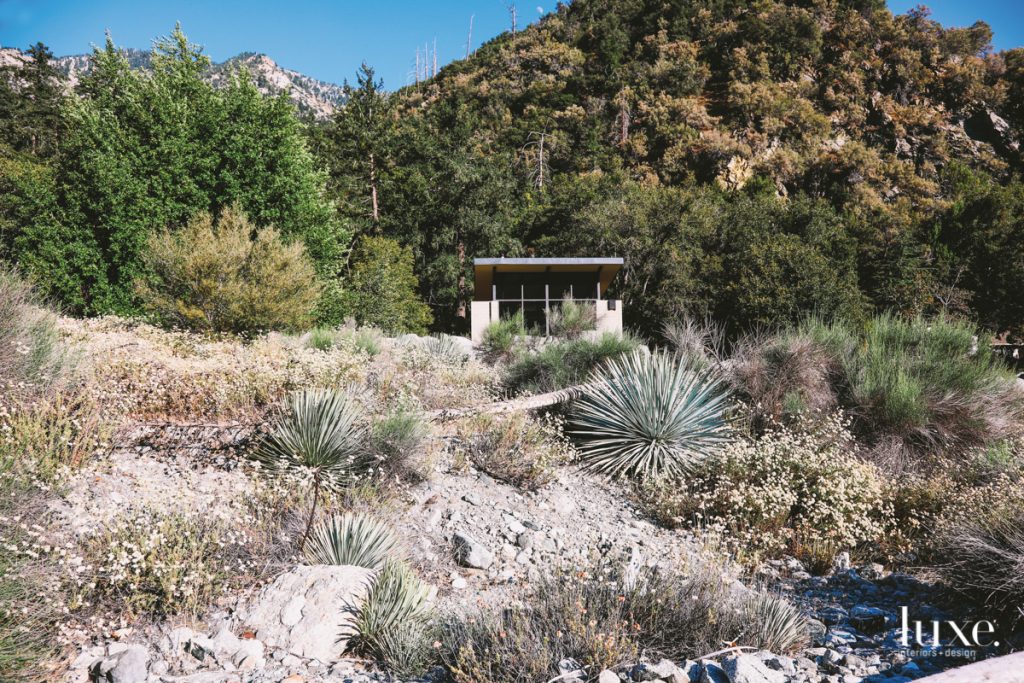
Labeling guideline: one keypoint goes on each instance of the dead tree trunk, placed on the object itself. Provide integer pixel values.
(373, 193)
(460, 311)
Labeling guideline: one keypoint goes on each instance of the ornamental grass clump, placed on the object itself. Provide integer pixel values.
(916, 389)
(500, 336)
(564, 363)
(983, 558)
(650, 416)
(571, 318)
(352, 539)
(32, 356)
(321, 435)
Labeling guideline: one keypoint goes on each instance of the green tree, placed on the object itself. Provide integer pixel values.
(381, 287)
(359, 139)
(31, 101)
(979, 249)
(148, 151)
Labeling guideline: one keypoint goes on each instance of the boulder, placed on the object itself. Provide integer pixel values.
(126, 666)
(749, 669)
(711, 672)
(471, 553)
(665, 670)
(308, 611)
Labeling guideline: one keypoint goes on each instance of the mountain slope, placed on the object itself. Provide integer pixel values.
(752, 161)
(726, 91)
(315, 97)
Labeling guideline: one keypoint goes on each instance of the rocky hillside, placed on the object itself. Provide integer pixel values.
(310, 95)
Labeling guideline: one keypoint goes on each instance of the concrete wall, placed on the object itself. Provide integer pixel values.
(481, 314)
(609, 321)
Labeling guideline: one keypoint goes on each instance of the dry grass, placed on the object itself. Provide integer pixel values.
(515, 448)
(603, 618)
(983, 558)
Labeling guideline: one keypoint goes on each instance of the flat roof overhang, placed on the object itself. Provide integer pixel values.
(484, 269)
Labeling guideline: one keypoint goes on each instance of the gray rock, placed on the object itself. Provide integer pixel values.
(471, 553)
(831, 616)
(869, 619)
(711, 672)
(249, 655)
(514, 525)
(911, 670)
(203, 677)
(308, 610)
(665, 670)
(125, 666)
(692, 671)
(778, 663)
(842, 562)
(749, 669)
(607, 676)
(571, 670)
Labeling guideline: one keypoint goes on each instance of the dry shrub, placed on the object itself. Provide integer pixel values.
(516, 448)
(703, 340)
(219, 277)
(604, 618)
(147, 373)
(783, 377)
(146, 562)
(416, 375)
(39, 440)
(983, 558)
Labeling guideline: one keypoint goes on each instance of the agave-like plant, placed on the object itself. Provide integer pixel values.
(322, 434)
(775, 624)
(396, 597)
(445, 349)
(650, 415)
(352, 539)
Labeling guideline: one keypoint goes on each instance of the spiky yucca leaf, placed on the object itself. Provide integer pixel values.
(649, 415)
(777, 625)
(445, 349)
(396, 597)
(321, 432)
(351, 539)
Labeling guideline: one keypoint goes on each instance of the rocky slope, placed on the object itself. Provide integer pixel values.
(312, 96)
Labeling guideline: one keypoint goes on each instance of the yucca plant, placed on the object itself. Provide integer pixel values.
(776, 625)
(321, 434)
(649, 416)
(445, 349)
(396, 599)
(351, 539)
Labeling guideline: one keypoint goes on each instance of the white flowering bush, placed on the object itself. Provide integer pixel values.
(784, 491)
(156, 563)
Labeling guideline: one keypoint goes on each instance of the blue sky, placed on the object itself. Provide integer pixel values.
(328, 40)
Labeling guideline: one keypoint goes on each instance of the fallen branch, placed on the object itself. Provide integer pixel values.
(514, 405)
